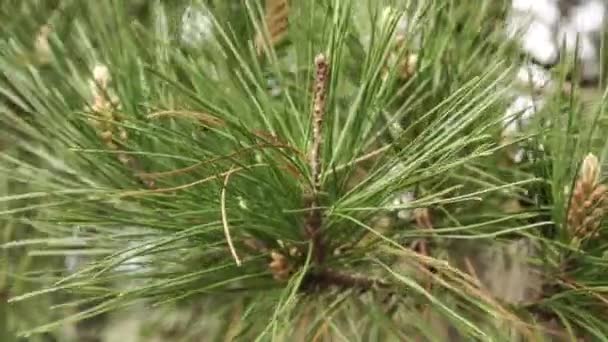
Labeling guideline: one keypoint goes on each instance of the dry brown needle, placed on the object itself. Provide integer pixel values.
(276, 20)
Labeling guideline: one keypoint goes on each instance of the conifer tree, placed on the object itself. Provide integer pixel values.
(315, 170)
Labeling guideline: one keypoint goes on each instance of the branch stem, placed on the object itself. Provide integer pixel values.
(314, 219)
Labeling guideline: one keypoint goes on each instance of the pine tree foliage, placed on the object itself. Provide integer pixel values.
(246, 156)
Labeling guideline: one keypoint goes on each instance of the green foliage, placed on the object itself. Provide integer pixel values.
(224, 135)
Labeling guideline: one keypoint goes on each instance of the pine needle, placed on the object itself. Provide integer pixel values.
(225, 217)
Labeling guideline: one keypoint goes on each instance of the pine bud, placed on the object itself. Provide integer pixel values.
(590, 171)
(405, 64)
(42, 46)
(587, 204)
(101, 75)
(279, 266)
(422, 216)
(106, 117)
(99, 88)
(277, 21)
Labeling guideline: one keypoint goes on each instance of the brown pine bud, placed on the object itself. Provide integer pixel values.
(423, 218)
(588, 201)
(407, 66)
(42, 46)
(99, 89)
(122, 134)
(277, 20)
(590, 171)
(106, 136)
(112, 135)
(279, 266)
(405, 63)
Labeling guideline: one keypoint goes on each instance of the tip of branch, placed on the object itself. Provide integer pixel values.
(101, 75)
(320, 59)
(590, 170)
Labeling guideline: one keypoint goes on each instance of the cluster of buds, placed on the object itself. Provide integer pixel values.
(103, 107)
(403, 64)
(281, 265)
(588, 202)
(421, 216)
(106, 118)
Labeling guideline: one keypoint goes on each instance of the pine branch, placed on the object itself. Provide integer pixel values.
(314, 220)
(445, 106)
